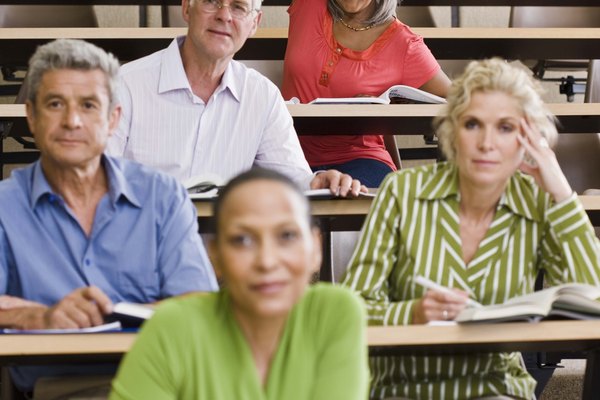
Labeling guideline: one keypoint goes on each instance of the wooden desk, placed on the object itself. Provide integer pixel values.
(18, 44)
(404, 340)
(394, 119)
(349, 215)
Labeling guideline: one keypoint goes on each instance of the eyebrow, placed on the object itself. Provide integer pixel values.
(49, 96)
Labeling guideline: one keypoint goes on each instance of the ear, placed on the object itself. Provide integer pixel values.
(113, 120)
(255, 23)
(30, 113)
(317, 251)
(185, 10)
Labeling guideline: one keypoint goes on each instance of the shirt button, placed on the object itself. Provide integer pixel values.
(338, 50)
(87, 262)
(330, 63)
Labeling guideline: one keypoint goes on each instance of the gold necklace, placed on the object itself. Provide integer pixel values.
(364, 28)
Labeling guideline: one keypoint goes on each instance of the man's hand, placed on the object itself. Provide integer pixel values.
(82, 308)
(9, 302)
(339, 184)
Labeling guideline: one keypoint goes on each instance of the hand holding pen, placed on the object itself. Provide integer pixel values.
(429, 284)
(439, 303)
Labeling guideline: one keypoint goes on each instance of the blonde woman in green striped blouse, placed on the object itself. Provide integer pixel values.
(485, 223)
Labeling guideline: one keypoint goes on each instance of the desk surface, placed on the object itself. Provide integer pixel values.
(17, 44)
(348, 215)
(413, 339)
(394, 119)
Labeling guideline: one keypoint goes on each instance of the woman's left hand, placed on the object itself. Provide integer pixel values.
(543, 165)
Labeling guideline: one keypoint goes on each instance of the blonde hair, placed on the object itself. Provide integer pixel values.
(492, 75)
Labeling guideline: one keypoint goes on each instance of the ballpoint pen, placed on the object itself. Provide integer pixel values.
(429, 284)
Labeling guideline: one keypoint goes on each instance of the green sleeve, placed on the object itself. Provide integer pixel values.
(150, 368)
(342, 368)
(375, 258)
(570, 250)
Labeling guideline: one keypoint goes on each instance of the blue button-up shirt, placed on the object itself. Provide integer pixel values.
(144, 244)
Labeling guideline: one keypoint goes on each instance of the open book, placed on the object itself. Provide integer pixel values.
(397, 94)
(203, 186)
(130, 315)
(325, 194)
(571, 300)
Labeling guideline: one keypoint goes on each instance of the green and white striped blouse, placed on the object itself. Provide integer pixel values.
(413, 229)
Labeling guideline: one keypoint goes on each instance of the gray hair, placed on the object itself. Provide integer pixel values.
(384, 11)
(493, 75)
(72, 54)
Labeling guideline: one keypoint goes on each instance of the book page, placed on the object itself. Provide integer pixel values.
(109, 327)
(570, 300)
(316, 194)
(349, 100)
(399, 94)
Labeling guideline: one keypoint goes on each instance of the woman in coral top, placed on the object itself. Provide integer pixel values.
(347, 48)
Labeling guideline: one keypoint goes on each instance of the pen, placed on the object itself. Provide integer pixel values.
(429, 284)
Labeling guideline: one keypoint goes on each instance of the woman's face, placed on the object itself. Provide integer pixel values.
(365, 7)
(265, 251)
(487, 150)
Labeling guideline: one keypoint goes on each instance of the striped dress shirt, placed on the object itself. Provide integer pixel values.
(413, 229)
(166, 126)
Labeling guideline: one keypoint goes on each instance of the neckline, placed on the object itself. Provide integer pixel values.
(358, 55)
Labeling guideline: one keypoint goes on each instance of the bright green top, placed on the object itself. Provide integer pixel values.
(193, 348)
(413, 229)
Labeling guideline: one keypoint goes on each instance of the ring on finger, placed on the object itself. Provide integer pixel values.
(544, 143)
(445, 315)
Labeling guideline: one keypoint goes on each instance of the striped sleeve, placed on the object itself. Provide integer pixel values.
(375, 257)
(570, 249)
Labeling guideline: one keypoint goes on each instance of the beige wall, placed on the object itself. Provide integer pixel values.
(277, 16)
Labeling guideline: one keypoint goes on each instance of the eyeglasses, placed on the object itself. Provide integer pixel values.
(238, 9)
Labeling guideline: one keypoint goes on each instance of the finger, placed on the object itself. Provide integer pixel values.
(356, 187)
(444, 298)
(96, 295)
(536, 139)
(345, 184)
(57, 318)
(80, 307)
(334, 178)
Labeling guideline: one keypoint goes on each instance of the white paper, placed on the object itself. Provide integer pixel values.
(112, 326)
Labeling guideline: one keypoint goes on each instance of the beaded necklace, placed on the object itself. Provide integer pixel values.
(355, 29)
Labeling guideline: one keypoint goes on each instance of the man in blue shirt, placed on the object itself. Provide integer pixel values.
(80, 230)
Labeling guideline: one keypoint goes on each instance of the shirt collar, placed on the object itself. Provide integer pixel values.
(441, 184)
(173, 77)
(117, 184)
(172, 74)
(518, 196)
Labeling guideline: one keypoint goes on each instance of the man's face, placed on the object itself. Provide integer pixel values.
(70, 119)
(216, 34)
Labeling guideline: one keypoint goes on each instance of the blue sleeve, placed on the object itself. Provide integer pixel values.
(4, 261)
(182, 260)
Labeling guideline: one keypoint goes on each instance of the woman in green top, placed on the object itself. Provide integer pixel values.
(485, 223)
(266, 335)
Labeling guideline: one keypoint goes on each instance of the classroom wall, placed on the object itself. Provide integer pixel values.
(277, 17)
